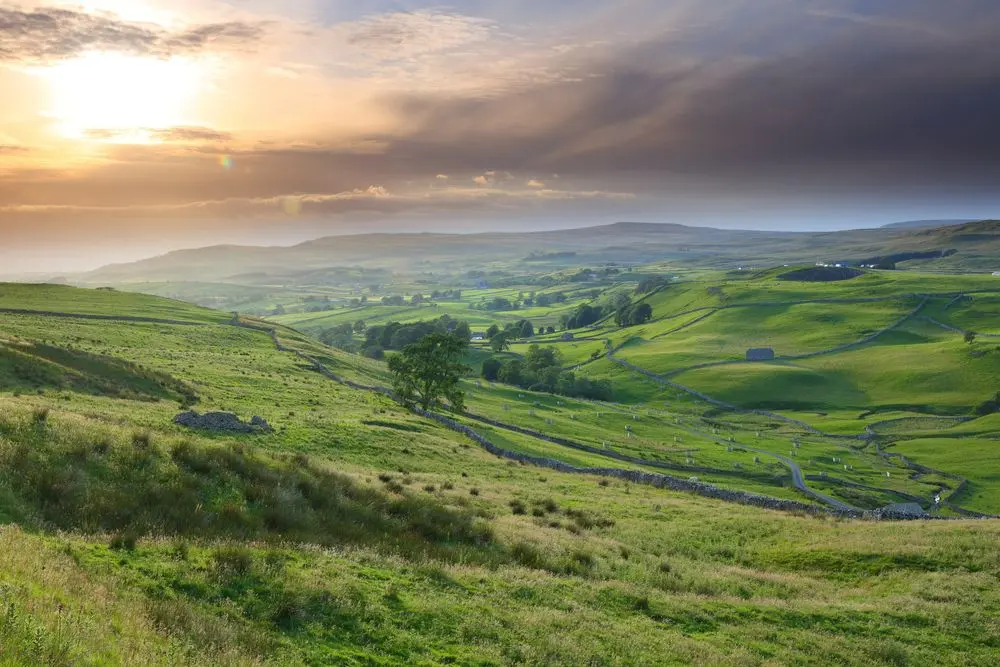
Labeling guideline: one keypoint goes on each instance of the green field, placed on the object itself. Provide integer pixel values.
(359, 533)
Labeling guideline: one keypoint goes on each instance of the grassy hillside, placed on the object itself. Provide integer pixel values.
(359, 533)
(975, 244)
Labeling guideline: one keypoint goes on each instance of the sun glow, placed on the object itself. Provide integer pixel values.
(115, 97)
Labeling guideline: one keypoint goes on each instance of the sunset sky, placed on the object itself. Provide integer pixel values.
(131, 127)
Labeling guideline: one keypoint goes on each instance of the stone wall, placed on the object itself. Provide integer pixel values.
(636, 476)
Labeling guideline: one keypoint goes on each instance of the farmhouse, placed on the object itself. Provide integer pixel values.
(567, 336)
(760, 354)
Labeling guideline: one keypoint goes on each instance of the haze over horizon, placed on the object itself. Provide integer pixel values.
(133, 127)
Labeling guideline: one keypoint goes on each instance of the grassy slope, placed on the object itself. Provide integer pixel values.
(675, 579)
(790, 330)
(59, 298)
(918, 366)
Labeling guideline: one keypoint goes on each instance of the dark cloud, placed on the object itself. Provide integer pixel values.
(775, 96)
(48, 34)
(825, 87)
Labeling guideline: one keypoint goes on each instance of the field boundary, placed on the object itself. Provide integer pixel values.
(658, 480)
(103, 318)
(810, 355)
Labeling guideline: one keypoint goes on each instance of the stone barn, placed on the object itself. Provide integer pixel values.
(760, 354)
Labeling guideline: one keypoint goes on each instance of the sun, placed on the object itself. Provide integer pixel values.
(117, 97)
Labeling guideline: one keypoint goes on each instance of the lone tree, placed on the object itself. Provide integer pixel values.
(430, 370)
(970, 337)
(500, 342)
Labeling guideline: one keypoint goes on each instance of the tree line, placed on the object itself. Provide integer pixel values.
(541, 370)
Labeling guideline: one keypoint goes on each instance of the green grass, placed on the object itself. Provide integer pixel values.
(914, 368)
(794, 330)
(358, 533)
(60, 298)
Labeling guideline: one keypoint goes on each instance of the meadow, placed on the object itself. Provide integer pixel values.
(359, 533)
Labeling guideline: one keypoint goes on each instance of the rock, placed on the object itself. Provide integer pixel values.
(261, 423)
(221, 421)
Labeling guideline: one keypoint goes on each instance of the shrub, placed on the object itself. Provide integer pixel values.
(473, 491)
(123, 542)
(528, 555)
(40, 416)
(447, 486)
(233, 561)
(385, 478)
(517, 507)
(430, 488)
(181, 550)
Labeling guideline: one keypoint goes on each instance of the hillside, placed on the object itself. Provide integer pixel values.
(926, 224)
(626, 243)
(358, 532)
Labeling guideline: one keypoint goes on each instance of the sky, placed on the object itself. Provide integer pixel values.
(132, 127)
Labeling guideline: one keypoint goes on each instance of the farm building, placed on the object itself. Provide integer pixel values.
(567, 336)
(760, 354)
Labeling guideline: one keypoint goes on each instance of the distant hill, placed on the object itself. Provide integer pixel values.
(926, 224)
(624, 243)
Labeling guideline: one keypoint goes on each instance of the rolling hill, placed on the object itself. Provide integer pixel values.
(360, 532)
(627, 243)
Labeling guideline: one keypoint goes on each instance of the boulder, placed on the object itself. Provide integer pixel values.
(221, 421)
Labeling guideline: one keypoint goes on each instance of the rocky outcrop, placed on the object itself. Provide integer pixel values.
(225, 422)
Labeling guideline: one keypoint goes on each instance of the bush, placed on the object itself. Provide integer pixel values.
(473, 491)
(123, 542)
(517, 507)
(528, 555)
(233, 561)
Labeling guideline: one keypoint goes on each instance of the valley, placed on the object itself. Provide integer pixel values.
(710, 500)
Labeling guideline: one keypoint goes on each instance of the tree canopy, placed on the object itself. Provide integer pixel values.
(430, 370)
